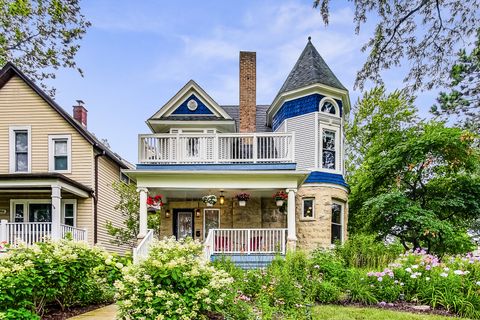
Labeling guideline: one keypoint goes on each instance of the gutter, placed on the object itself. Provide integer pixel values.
(95, 197)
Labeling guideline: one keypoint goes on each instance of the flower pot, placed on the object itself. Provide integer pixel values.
(209, 204)
(279, 203)
(242, 203)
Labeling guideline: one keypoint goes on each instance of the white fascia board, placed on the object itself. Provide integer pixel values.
(305, 91)
(47, 183)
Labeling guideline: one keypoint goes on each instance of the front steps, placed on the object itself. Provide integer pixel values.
(247, 261)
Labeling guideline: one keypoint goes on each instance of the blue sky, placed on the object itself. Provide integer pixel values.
(138, 54)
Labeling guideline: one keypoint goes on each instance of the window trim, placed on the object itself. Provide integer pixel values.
(27, 202)
(303, 217)
(129, 181)
(69, 201)
(219, 217)
(11, 140)
(333, 102)
(342, 220)
(51, 152)
(338, 162)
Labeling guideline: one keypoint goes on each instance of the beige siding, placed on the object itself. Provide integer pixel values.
(21, 106)
(109, 172)
(85, 216)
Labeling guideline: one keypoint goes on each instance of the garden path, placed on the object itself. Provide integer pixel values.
(105, 313)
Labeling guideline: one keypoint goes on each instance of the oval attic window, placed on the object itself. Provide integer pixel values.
(192, 105)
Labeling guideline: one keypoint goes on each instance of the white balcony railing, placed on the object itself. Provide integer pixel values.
(29, 233)
(245, 241)
(141, 252)
(216, 148)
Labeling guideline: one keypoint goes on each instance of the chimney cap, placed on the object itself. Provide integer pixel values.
(80, 102)
(309, 38)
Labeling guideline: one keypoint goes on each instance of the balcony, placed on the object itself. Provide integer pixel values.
(216, 148)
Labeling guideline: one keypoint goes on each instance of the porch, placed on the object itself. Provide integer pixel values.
(228, 227)
(34, 207)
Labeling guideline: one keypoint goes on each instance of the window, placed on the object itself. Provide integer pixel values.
(40, 210)
(20, 146)
(59, 153)
(211, 220)
(69, 212)
(308, 208)
(328, 105)
(124, 178)
(337, 222)
(328, 149)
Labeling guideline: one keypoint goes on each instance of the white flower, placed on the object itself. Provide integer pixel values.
(413, 276)
(443, 274)
(478, 283)
(119, 265)
(408, 270)
(446, 269)
(458, 272)
(415, 266)
(427, 278)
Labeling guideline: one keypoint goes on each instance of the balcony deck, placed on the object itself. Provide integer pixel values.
(220, 148)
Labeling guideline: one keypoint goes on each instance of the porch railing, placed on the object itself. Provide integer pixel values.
(29, 233)
(245, 241)
(141, 251)
(216, 148)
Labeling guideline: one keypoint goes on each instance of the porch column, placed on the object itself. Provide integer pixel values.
(3, 230)
(291, 232)
(56, 212)
(143, 212)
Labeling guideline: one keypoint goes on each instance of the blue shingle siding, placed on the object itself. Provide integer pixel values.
(218, 167)
(299, 107)
(201, 108)
(325, 177)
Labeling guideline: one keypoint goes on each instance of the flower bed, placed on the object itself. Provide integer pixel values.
(54, 274)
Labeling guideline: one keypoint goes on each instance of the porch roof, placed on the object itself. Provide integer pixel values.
(43, 180)
(214, 179)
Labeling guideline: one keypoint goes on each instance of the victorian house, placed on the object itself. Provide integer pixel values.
(221, 168)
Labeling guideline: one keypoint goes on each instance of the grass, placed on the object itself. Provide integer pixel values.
(354, 313)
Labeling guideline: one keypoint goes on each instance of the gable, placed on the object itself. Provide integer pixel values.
(178, 104)
(187, 107)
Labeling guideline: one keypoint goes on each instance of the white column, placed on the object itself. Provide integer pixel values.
(56, 212)
(291, 231)
(143, 212)
(3, 230)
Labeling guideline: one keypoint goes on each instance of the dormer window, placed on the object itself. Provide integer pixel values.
(328, 105)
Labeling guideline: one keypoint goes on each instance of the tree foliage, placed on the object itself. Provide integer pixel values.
(41, 36)
(417, 181)
(423, 32)
(463, 99)
(129, 207)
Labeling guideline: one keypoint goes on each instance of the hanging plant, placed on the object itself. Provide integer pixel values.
(242, 198)
(209, 200)
(280, 198)
(155, 202)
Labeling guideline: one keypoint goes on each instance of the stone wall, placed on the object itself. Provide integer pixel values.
(316, 232)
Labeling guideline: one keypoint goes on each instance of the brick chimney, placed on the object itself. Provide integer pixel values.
(80, 113)
(248, 91)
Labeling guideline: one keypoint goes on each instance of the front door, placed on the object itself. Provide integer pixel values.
(183, 223)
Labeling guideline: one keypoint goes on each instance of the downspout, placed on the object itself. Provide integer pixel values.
(95, 197)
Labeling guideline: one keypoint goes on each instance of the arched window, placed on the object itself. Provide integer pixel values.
(329, 106)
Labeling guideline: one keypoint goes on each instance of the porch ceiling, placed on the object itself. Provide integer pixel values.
(226, 180)
(195, 194)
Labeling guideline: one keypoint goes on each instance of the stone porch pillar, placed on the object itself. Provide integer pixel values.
(143, 212)
(56, 212)
(291, 231)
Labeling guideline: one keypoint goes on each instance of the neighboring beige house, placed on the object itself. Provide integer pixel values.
(55, 176)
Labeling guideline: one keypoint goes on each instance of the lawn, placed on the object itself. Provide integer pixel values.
(355, 313)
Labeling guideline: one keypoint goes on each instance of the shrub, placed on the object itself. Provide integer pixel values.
(366, 251)
(62, 273)
(174, 282)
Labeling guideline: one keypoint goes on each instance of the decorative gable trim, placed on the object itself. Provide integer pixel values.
(183, 96)
(192, 106)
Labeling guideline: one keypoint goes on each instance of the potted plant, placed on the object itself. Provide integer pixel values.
(209, 200)
(155, 202)
(280, 198)
(242, 199)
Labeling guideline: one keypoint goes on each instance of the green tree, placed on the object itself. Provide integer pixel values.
(417, 181)
(41, 36)
(422, 33)
(129, 207)
(463, 99)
